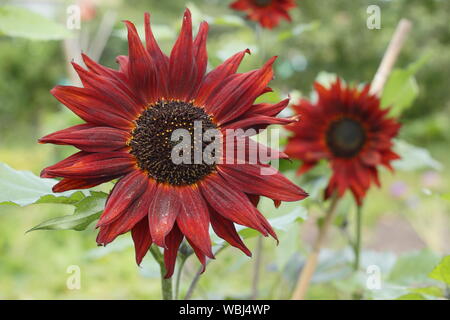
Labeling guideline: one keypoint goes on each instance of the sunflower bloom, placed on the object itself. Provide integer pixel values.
(348, 128)
(129, 117)
(267, 13)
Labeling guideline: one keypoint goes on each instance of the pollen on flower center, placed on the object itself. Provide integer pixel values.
(345, 137)
(152, 144)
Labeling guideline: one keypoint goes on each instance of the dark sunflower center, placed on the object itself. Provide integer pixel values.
(262, 3)
(345, 137)
(152, 142)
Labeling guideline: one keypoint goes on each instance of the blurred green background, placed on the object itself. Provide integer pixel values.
(406, 222)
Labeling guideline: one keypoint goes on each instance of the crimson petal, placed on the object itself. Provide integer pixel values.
(232, 204)
(163, 212)
(173, 241)
(141, 69)
(88, 137)
(225, 229)
(142, 239)
(219, 74)
(182, 66)
(124, 193)
(193, 219)
(94, 165)
(86, 104)
(248, 178)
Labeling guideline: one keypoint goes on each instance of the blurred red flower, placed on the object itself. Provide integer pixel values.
(267, 13)
(347, 127)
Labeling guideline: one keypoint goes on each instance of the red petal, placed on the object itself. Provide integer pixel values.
(119, 78)
(142, 239)
(163, 212)
(214, 78)
(237, 96)
(232, 204)
(200, 54)
(371, 157)
(173, 241)
(267, 109)
(85, 103)
(247, 150)
(94, 165)
(248, 178)
(137, 211)
(226, 230)
(258, 121)
(161, 61)
(123, 195)
(67, 162)
(108, 91)
(74, 184)
(193, 219)
(141, 69)
(200, 255)
(182, 67)
(88, 137)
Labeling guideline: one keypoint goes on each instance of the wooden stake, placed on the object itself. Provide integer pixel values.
(390, 56)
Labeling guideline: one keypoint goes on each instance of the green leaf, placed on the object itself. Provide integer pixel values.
(24, 188)
(413, 158)
(413, 267)
(401, 88)
(75, 197)
(442, 271)
(429, 291)
(281, 223)
(86, 211)
(446, 196)
(411, 296)
(20, 22)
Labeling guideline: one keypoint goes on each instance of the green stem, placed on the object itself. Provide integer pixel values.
(166, 284)
(177, 281)
(257, 268)
(357, 244)
(194, 282)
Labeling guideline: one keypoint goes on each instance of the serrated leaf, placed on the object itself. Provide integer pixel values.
(413, 157)
(77, 196)
(86, 211)
(24, 188)
(20, 22)
(442, 271)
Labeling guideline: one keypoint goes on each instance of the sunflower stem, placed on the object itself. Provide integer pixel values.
(194, 282)
(357, 244)
(257, 268)
(311, 262)
(166, 284)
(178, 280)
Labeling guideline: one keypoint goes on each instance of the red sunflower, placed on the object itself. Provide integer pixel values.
(130, 114)
(349, 129)
(266, 12)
